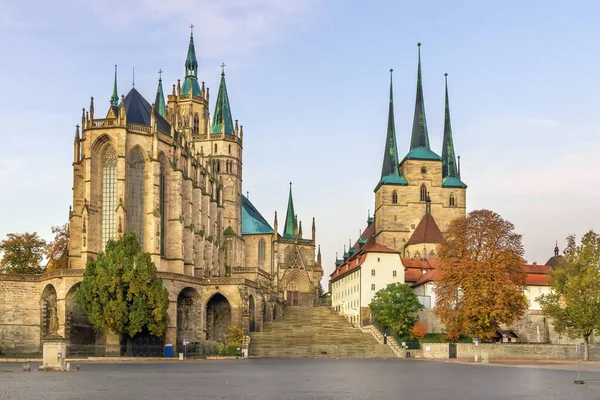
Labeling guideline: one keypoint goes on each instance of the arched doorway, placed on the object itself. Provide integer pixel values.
(251, 314)
(218, 318)
(48, 310)
(292, 294)
(78, 331)
(189, 317)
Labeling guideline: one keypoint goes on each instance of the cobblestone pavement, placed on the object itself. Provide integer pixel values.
(294, 379)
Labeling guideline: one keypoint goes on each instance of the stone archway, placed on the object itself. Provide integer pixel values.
(189, 316)
(251, 314)
(218, 317)
(48, 310)
(78, 331)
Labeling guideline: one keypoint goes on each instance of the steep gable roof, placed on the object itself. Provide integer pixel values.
(427, 232)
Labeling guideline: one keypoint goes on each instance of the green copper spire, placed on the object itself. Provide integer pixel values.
(419, 138)
(390, 173)
(448, 156)
(159, 102)
(190, 83)
(191, 64)
(222, 122)
(290, 218)
(114, 99)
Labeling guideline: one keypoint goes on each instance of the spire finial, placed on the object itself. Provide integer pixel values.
(192, 30)
(248, 194)
(556, 250)
(223, 65)
(133, 82)
(160, 72)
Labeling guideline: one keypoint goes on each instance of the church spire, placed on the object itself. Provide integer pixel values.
(420, 137)
(290, 218)
(114, 99)
(448, 156)
(159, 102)
(191, 64)
(390, 173)
(222, 121)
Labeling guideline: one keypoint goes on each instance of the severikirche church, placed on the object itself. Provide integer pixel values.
(172, 173)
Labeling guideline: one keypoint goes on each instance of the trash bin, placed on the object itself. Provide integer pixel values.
(168, 350)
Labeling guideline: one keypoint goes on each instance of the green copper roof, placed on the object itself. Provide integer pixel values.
(390, 173)
(453, 182)
(290, 218)
(114, 99)
(159, 102)
(420, 137)
(222, 122)
(362, 240)
(422, 153)
(252, 222)
(190, 83)
(449, 168)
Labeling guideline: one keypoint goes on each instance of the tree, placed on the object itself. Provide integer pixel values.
(121, 293)
(396, 307)
(57, 251)
(574, 303)
(22, 253)
(481, 280)
(419, 330)
(320, 289)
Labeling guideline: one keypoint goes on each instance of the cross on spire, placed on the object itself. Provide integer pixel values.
(192, 29)
(160, 71)
(223, 65)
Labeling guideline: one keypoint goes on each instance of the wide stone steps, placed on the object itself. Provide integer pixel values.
(315, 332)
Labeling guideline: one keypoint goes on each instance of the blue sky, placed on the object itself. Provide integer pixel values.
(308, 79)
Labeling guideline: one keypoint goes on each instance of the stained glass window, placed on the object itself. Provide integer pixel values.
(109, 195)
(135, 209)
(262, 250)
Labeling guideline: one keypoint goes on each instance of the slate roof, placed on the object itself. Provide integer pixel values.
(427, 232)
(138, 111)
(253, 223)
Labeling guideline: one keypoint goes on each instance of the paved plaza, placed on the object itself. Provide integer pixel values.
(294, 379)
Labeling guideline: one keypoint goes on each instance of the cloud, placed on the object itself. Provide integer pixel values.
(223, 26)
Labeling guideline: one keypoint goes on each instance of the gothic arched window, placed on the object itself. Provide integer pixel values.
(423, 193)
(196, 129)
(109, 194)
(163, 205)
(262, 250)
(394, 197)
(452, 201)
(135, 209)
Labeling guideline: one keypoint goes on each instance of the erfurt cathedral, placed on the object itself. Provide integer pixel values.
(172, 173)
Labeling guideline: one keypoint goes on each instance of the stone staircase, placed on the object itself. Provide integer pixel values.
(315, 332)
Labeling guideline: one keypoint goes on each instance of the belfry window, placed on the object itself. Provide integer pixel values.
(452, 201)
(163, 205)
(262, 250)
(196, 129)
(135, 209)
(423, 193)
(109, 195)
(394, 197)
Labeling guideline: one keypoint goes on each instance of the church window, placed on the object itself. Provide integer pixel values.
(394, 197)
(163, 202)
(262, 250)
(423, 193)
(452, 201)
(229, 149)
(109, 195)
(135, 209)
(215, 147)
(196, 129)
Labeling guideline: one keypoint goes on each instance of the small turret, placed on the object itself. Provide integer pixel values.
(275, 225)
(159, 102)
(319, 256)
(296, 226)
(300, 230)
(76, 146)
(92, 108)
(83, 119)
(290, 218)
(556, 249)
(114, 99)
(314, 230)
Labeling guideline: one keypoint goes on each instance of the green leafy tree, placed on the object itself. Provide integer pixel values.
(395, 307)
(574, 303)
(121, 293)
(22, 253)
(481, 281)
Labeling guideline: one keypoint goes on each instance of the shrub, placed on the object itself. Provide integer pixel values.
(419, 330)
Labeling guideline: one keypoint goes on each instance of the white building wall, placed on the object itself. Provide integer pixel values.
(345, 295)
(426, 294)
(384, 265)
(534, 291)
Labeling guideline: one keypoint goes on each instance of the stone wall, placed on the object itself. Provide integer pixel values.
(19, 313)
(503, 351)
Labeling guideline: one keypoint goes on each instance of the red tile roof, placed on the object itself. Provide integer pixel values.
(427, 232)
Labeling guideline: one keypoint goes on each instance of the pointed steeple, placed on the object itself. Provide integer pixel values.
(159, 102)
(222, 121)
(114, 99)
(390, 172)
(190, 83)
(290, 218)
(448, 156)
(300, 230)
(420, 137)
